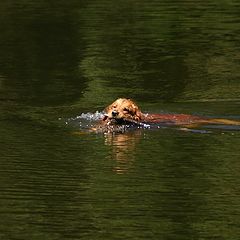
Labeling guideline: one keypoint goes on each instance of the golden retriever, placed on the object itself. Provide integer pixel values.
(124, 110)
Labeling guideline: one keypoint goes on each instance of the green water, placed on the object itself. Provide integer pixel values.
(59, 59)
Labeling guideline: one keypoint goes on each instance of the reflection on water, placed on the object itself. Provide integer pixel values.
(123, 147)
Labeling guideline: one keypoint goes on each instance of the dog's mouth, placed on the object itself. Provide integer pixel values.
(105, 117)
(119, 121)
(114, 120)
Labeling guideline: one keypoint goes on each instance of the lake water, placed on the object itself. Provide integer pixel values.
(62, 59)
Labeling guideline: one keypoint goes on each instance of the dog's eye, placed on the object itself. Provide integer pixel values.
(126, 110)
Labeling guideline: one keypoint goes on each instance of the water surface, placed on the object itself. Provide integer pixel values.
(62, 59)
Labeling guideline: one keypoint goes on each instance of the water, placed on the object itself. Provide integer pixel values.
(64, 62)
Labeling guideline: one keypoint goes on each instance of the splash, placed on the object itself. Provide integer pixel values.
(91, 116)
(84, 120)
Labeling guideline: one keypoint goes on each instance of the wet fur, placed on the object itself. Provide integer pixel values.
(124, 111)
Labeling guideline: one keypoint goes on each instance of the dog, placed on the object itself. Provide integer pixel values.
(125, 111)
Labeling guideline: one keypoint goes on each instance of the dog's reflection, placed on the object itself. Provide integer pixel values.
(123, 149)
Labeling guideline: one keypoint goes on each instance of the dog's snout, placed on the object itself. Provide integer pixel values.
(114, 113)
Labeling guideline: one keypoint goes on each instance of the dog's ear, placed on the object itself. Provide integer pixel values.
(138, 115)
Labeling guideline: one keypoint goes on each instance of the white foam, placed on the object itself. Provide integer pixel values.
(90, 116)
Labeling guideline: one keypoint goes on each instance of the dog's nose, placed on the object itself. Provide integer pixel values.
(114, 113)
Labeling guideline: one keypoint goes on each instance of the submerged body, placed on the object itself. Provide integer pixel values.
(124, 111)
(185, 119)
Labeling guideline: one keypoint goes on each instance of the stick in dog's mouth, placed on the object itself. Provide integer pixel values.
(120, 121)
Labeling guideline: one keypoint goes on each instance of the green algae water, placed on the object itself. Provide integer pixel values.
(62, 59)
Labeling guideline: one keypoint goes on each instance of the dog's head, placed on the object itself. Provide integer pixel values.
(123, 110)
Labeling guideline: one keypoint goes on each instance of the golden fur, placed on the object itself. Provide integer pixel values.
(124, 110)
